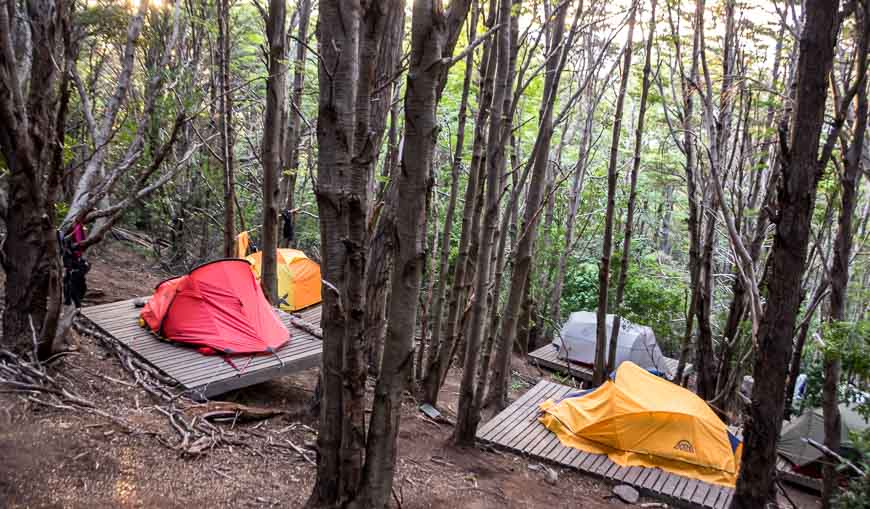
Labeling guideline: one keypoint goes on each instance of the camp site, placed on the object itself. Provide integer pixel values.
(424, 254)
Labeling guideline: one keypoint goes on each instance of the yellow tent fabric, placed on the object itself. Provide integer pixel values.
(298, 278)
(643, 420)
(243, 240)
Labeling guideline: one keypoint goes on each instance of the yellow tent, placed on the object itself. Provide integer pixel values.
(243, 240)
(643, 420)
(298, 278)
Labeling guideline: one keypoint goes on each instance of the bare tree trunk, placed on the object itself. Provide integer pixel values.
(505, 230)
(632, 195)
(694, 220)
(338, 33)
(381, 216)
(436, 372)
(801, 171)
(704, 364)
(380, 260)
(468, 416)
(272, 148)
(433, 37)
(426, 300)
(534, 198)
(32, 124)
(225, 124)
(849, 184)
(294, 132)
(612, 175)
(431, 382)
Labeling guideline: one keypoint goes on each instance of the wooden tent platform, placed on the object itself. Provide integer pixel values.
(547, 357)
(205, 376)
(517, 429)
(784, 471)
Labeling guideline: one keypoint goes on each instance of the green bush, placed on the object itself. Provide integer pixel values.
(654, 296)
(857, 493)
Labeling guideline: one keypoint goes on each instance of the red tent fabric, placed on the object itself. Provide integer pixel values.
(218, 307)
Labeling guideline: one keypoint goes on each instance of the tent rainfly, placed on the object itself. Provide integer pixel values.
(298, 278)
(642, 420)
(635, 343)
(219, 308)
(811, 424)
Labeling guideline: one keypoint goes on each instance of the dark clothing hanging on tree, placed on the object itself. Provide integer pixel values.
(287, 233)
(75, 267)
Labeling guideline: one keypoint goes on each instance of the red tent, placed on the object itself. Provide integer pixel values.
(218, 307)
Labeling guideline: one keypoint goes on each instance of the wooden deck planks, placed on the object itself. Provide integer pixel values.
(548, 357)
(517, 429)
(205, 375)
(785, 471)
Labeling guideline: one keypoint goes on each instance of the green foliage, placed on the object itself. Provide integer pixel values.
(654, 295)
(60, 210)
(857, 494)
(850, 342)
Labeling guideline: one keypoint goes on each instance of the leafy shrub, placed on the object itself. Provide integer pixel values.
(654, 296)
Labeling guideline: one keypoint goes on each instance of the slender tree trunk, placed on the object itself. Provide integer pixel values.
(468, 416)
(294, 132)
(272, 136)
(426, 301)
(573, 205)
(849, 186)
(797, 190)
(632, 195)
(694, 219)
(607, 246)
(704, 364)
(534, 198)
(433, 37)
(431, 381)
(470, 217)
(225, 125)
(506, 229)
(381, 215)
(338, 33)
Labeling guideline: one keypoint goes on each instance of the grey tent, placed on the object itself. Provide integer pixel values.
(636, 343)
(811, 424)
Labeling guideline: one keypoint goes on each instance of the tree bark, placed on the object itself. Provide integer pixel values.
(797, 190)
(694, 220)
(470, 218)
(632, 194)
(431, 382)
(849, 186)
(272, 147)
(338, 74)
(601, 356)
(225, 125)
(534, 198)
(468, 416)
(382, 215)
(704, 363)
(433, 37)
(31, 129)
(294, 132)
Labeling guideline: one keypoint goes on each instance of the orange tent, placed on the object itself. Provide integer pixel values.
(643, 420)
(298, 278)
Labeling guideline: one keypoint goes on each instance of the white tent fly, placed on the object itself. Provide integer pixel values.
(636, 343)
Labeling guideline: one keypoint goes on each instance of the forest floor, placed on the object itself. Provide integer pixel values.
(62, 458)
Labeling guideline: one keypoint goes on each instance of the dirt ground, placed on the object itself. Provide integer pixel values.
(63, 458)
